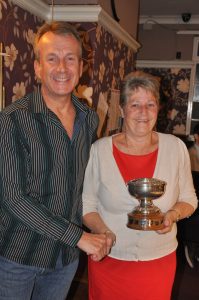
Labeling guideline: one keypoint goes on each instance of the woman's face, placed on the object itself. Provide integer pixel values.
(140, 113)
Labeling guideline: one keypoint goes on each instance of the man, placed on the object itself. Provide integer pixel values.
(45, 140)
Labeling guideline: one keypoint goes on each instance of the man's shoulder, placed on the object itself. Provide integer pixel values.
(19, 104)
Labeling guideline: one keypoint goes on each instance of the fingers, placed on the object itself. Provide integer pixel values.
(96, 245)
(111, 240)
(168, 224)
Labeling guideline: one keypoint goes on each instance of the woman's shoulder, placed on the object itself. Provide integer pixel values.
(103, 141)
(171, 142)
(167, 137)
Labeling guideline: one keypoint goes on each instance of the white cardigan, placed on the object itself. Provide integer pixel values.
(105, 192)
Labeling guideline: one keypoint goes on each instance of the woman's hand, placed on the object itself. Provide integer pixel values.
(110, 240)
(171, 217)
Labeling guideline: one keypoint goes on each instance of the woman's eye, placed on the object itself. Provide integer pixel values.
(152, 105)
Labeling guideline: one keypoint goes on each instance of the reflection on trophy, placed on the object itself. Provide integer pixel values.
(146, 216)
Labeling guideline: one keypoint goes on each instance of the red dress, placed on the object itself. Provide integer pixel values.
(114, 279)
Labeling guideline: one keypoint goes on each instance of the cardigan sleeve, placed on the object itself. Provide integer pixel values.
(91, 180)
(187, 193)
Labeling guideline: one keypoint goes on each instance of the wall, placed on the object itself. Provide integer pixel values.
(17, 29)
(174, 94)
(106, 61)
(127, 11)
(162, 42)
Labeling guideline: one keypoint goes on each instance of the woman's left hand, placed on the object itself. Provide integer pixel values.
(169, 220)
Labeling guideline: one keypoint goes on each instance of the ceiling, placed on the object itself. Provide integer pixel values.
(162, 11)
(147, 7)
(168, 7)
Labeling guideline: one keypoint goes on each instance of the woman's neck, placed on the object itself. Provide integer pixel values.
(136, 145)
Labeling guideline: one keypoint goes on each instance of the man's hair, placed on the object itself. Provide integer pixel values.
(59, 28)
(139, 79)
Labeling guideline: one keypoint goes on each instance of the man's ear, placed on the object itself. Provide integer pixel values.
(37, 69)
(81, 68)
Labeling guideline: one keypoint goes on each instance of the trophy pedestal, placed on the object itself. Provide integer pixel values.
(140, 221)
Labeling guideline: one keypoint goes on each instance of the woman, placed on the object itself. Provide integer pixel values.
(141, 264)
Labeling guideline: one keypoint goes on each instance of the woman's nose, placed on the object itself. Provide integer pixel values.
(143, 108)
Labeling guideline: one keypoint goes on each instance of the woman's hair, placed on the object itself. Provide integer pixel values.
(138, 79)
(57, 27)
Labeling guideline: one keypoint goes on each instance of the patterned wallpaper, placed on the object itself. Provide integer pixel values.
(174, 98)
(17, 29)
(106, 60)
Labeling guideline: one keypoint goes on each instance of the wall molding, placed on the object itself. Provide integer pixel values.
(167, 19)
(35, 7)
(164, 64)
(79, 13)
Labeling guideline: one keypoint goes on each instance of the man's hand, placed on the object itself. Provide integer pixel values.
(94, 245)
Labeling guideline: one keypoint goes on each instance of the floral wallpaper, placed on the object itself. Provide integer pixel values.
(17, 29)
(174, 98)
(106, 62)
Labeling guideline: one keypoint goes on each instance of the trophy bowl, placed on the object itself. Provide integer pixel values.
(146, 216)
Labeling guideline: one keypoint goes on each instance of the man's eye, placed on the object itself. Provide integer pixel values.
(134, 105)
(70, 59)
(51, 59)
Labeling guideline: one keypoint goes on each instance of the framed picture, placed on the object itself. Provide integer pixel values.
(195, 56)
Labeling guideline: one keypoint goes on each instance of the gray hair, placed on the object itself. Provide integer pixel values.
(138, 79)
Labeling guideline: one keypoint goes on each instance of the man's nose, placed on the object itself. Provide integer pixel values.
(62, 65)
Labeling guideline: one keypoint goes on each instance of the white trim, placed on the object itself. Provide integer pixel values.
(164, 64)
(112, 26)
(168, 19)
(35, 7)
(79, 13)
(195, 55)
(190, 100)
(192, 32)
(75, 13)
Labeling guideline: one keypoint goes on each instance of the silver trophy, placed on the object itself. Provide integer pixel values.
(146, 216)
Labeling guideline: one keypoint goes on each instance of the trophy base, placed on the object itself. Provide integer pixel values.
(140, 221)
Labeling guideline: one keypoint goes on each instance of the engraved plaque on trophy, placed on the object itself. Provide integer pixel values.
(146, 216)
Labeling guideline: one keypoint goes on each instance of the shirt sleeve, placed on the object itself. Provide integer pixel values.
(15, 199)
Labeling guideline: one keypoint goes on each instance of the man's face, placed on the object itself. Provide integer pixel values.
(60, 66)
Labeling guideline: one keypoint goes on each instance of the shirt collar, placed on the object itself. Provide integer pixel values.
(37, 104)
